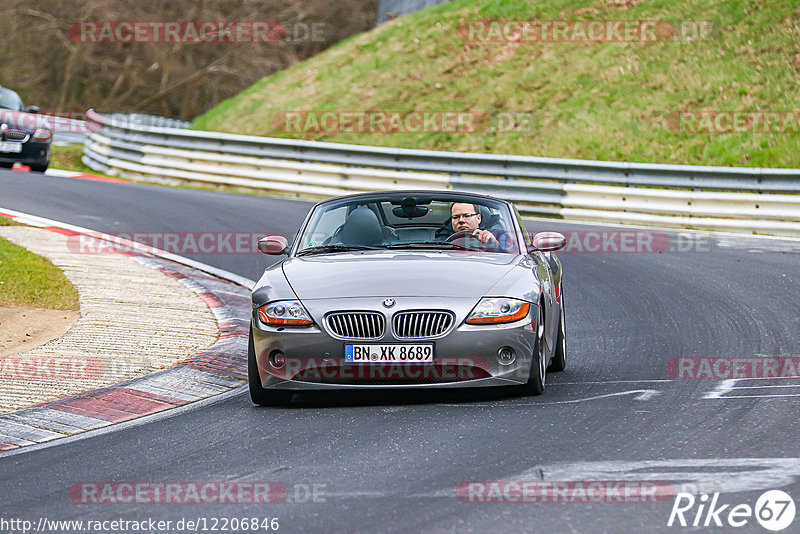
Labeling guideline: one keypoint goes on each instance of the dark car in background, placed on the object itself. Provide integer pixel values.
(25, 136)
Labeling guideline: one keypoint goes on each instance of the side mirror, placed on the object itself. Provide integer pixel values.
(273, 245)
(547, 241)
(32, 109)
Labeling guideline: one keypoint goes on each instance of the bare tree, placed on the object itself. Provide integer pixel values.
(45, 62)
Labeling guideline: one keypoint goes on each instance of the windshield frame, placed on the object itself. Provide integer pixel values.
(6, 90)
(509, 214)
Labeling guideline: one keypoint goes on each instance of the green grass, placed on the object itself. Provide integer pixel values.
(607, 101)
(68, 158)
(30, 280)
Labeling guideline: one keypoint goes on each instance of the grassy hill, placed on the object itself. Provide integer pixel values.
(593, 100)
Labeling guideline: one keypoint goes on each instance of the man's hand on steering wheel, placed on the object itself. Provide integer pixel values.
(482, 238)
(485, 236)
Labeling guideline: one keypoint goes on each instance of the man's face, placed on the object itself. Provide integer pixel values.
(469, 219)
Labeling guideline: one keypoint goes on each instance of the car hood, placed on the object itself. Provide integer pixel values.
(397, 274)
(20, 120)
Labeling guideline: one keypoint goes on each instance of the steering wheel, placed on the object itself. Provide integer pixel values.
(466, 238)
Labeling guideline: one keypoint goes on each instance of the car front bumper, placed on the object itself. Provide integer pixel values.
(33, 153)
(465, 356)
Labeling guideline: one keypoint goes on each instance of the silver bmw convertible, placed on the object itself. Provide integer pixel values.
(422, 289)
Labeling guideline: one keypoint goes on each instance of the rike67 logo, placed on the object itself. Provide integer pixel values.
(774, 510)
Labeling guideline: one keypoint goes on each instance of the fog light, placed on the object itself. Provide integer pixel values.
(506, 355)
(277, 359)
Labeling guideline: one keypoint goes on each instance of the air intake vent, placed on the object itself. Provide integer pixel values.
(357, 325)
(16, 135)
(421, 324)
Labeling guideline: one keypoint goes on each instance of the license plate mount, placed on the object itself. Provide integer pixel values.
(394, 353)
(7, 146)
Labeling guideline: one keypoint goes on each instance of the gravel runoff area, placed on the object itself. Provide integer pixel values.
(135, 319)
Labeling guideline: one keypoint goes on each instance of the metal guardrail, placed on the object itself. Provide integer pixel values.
(390, 9)
(143, 119)
(67, 131)
(751, 200)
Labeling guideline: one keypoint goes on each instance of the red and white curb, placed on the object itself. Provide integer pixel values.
(219, 369)
(58, 173)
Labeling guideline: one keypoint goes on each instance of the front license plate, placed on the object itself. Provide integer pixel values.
(6, 146)
(422, 353)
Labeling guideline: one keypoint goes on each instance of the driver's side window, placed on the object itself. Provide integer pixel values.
(526, 236)
(329, 223)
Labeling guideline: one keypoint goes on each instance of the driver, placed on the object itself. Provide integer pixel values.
(467, 218)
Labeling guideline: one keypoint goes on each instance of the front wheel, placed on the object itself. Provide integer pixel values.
(559, 362)
(259, 395)
(38, 168)
(538, 374)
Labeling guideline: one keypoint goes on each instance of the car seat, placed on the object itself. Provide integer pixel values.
(361, 228)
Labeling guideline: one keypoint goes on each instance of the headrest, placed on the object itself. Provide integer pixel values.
(361, 228)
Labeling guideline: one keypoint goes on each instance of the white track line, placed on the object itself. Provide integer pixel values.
(35, 220)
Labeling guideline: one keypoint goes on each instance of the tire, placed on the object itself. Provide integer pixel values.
(259, 395)
(6, 165)
(39, 168)
(538, 374)
(559, 361)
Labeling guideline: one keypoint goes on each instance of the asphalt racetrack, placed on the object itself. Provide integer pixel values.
(404, 461)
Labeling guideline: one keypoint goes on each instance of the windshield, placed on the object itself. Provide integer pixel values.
(10, 100)
(409, 222)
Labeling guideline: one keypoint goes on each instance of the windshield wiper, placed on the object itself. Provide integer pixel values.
(425, 244)
(324, 249)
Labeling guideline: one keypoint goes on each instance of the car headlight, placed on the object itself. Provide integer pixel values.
(498, 310)
(42, 134)
(284, 313)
